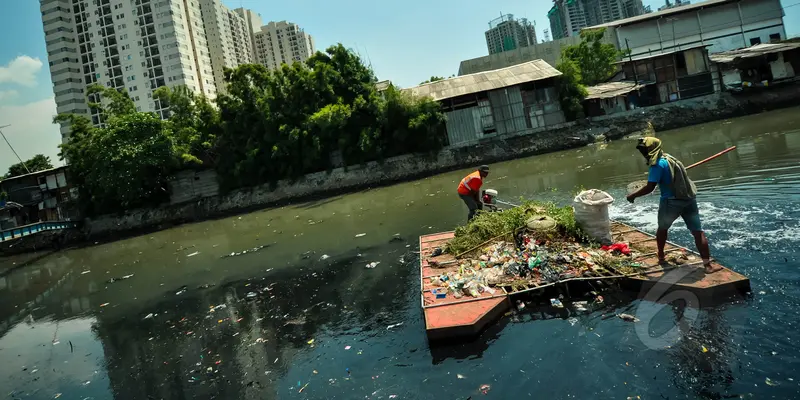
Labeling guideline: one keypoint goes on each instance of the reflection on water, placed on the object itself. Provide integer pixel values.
(302, 317)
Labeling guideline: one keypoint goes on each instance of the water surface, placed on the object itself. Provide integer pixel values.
(201, 318)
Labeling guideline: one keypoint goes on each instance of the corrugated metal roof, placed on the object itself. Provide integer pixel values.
(611, 89)
(754, 51)
(483, 81)
(662, 13)
(382, 85)
(660, 53)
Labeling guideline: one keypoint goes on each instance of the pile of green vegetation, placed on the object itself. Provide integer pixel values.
(489, 225)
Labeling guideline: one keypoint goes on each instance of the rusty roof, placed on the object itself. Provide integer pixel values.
(383, 85)
(611, 89)
(484, 81)
(659, 53)
(727, 57)
(661, 14)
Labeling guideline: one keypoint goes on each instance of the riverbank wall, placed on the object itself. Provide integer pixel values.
(207, 203)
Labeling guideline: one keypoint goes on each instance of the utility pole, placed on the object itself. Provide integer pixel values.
(630, 58)
(12, 148)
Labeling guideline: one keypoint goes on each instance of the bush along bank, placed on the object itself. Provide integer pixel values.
(269, 125)
(407, 167)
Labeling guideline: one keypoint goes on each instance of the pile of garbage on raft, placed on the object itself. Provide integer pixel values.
(546, 248)
(528, 261)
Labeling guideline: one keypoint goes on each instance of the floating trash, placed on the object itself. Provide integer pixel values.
(394, 326)
(770, 382)
(628, 317)
(373, 264)
(361, 235)
(193, 254)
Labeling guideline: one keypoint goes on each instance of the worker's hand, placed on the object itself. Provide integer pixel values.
(631, 198)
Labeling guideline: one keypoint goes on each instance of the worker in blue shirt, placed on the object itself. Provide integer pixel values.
(678, 198)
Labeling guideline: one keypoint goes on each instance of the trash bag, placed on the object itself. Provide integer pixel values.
(591, 214)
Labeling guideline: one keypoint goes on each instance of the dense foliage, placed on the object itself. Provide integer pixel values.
(268, 125)
(595, 59)
(38, 162)
(123, 164)
(570, 90)
(587, 63)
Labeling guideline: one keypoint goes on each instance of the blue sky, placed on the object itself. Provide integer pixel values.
(405, 41)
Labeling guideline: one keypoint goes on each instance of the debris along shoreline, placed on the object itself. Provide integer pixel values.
(540, 249)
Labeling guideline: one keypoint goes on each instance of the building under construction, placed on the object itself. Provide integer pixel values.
(568, 17)
(506, 33)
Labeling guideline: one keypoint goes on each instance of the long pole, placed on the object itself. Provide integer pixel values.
(12, 148)
(712, 157)
(630, 58)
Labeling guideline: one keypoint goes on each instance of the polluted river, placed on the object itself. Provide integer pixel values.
(279, 303)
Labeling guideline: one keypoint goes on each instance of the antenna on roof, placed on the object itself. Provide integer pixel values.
(368, 58)
(12, 148)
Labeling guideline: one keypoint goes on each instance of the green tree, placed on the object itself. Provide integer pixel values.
(38, 162)
(290, 121)
(267, 126)
(570, 90)
(124, 164)
(194, 123)
(595, 59)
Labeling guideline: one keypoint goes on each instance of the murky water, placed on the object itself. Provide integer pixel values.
(200, 318)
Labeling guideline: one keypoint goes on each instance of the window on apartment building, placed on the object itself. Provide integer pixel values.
(754, 41)
(774, 37)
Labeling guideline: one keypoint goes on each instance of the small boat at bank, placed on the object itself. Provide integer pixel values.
(448, 317)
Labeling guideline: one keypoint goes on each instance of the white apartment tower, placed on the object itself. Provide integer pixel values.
(506, 33)
(131, 45)
(282, 43)
(228, 38)
(253, 24)
(568, 17)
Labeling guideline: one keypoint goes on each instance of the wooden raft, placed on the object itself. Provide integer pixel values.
(451, 317)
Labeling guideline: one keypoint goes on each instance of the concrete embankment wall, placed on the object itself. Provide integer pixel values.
(570, 135)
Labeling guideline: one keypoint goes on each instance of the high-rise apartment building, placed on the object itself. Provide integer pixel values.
(131, 45)
(676, 3)
(282, 43)
(506, 33)
(228, 37)
(568, 17)
(253, 23)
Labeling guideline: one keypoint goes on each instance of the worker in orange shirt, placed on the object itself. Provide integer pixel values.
(469, 190)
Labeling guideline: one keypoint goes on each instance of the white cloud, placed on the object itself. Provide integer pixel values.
(21, 70)
(8, 94)
(31, 132)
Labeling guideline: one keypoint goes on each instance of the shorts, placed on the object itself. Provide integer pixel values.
(670, 209)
